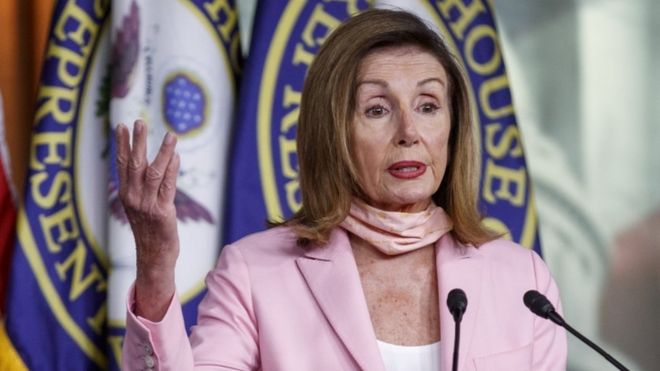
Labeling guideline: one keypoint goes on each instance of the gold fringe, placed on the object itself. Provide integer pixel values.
(9, 359)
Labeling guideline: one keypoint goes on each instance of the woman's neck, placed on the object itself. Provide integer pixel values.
(401, 293)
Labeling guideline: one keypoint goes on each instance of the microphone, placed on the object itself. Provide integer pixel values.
(542, 307)
(457, 303)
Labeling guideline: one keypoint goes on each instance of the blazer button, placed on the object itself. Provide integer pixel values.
(147, 350)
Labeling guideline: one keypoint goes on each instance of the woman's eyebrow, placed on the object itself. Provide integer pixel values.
(430, 80)
(378, 82)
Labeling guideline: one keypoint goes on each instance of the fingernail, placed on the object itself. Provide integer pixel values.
(169, 138)
(138, 127)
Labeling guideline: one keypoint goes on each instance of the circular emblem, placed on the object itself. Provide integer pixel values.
(184, 103)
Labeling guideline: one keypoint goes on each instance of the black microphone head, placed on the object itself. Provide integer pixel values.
(538, 303)
(457, 303)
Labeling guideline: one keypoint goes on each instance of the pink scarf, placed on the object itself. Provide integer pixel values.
(396, 233)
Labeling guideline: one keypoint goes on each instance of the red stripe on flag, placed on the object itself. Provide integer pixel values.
(7, 215)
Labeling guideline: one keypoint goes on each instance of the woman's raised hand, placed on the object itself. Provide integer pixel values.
(147, 193)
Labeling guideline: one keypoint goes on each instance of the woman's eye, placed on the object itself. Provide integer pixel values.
(429, 108)
(376, 111)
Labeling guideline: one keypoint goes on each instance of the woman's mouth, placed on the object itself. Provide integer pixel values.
(407, 169)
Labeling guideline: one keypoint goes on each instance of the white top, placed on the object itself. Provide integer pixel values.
(410, 358)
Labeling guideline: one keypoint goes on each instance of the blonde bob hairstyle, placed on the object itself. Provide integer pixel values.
(328, 177)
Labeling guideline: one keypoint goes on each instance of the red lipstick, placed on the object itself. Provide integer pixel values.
(407, 169)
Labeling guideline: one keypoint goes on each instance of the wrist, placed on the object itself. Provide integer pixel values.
(156, 260)
(153, 293)
(155, 276)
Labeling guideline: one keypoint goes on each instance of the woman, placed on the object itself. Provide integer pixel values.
(358, 277)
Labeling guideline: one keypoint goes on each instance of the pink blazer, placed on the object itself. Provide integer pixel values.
(272, 305)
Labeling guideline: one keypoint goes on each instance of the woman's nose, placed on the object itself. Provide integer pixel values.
(407, 134)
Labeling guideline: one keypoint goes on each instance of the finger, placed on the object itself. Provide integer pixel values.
(122, 155)
(156, 171)
(167, 189)
(137, 162)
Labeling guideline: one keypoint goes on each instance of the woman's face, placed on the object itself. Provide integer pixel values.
(400, 127)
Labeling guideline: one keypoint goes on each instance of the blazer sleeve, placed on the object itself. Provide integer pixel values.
(225, 337)
(550, 347)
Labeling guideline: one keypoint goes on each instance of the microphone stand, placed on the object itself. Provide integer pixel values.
(556, 318)
(457, 341)
(542, 307)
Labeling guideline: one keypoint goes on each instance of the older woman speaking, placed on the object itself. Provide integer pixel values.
(388, 226)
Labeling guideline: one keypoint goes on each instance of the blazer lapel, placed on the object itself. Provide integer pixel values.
(332, 276)
(458, 267)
